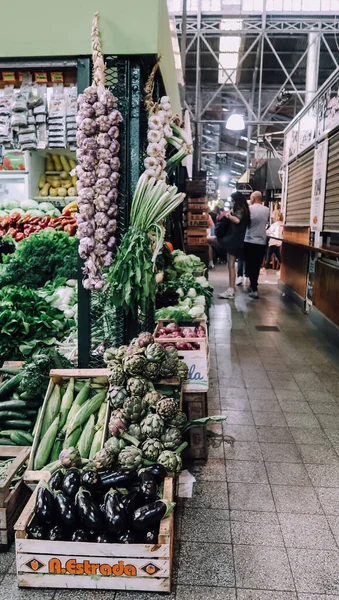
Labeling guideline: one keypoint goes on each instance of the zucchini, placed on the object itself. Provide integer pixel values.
(10, 370)
(7, 387)
(19, 423)
(21, 438)
(13, 404)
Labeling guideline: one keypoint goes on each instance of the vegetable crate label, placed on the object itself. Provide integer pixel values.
(93, 567)
(197, 370)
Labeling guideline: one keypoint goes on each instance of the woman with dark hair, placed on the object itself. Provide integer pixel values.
(233, 242)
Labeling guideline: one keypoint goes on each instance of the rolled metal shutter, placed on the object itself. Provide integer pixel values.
(299, 190)
(331, 212)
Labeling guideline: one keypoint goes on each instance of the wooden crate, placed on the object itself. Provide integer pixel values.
(56, 376)
(195, 187)
(198, 219)
(196, 360)
(12, 501)
(86, 565)
(195, 406)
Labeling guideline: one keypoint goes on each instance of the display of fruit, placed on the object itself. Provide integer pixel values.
(130, 458)
(171, 439)
(152, 426)
(152, 397)
(167, 408)
(135, 409)
(134, 365)
(117, 395)
(155, 353)
(136, 386)
(117, 376)
(151, 449)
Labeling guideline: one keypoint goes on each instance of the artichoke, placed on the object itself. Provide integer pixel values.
(135, 431)
(116, 396)
(70, 457)
(130, 458)
(110, 354)
(155, 353)
(114, 445)
(134, 365)
(152, 397)
(136, 386)
(145, 339)
(133, 348)
(152, 371)
(182, 369)
(168, 368)
(171, 439)
(171, 461)
(117, 375)
(152, 426)
(117, 423)
(172, 353)
(167, 408)
(103, 459)
(121, 353)
(135, 409)
(179, 420)
(151, 449)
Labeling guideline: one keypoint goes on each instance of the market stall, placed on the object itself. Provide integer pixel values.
(87, 280)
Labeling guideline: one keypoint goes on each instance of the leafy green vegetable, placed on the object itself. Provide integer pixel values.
(26, 320)
(39, 258)
(185, 283)
(173, 313)
(35, 372)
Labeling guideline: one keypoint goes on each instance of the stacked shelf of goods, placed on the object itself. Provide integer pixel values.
(197, 221)
(13, 492)
(58, 184)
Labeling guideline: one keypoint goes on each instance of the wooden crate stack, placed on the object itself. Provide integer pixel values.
(196, 218)
(13, 496)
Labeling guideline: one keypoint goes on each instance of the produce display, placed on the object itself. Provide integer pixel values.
(98, 167)
(58, 181)
(22, 227)
(172, 331)
(5, 464)
(103, 506)
(71, 426)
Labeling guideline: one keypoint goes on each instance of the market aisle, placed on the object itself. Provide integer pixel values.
(264, 520)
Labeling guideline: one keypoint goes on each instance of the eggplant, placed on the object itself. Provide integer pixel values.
(55, 533)
(88, 511)
(115, 515)
(71, 483)
(102, 538)
(131, 502)
(55, 482)
(66, 509)
(118, 478)
(128, 537)
(148, 488)
(150, 515)
(158, 471)
(44, 505)
(79, 535)
(34, 530)
(102, 508)
(151, 536)
(90, 479)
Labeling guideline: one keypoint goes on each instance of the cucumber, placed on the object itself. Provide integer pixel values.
(12, 414)
(15, 396)
(7, 387)
(21, 438)
(27, 396)
(10, 370)
(13, 405)
(18, 423)
(6, 442)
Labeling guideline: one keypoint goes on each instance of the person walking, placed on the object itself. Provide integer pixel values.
(274, 243)
(233, 240)
(255, 241)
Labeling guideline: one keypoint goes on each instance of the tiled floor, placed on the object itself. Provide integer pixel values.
(263, 523)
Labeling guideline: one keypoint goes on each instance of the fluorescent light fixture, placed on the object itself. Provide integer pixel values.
(246, 140)
(238, 164)
(225, 109)
(235, 172)
(235, 122)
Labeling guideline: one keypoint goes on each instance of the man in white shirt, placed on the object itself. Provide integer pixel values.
(255, 241)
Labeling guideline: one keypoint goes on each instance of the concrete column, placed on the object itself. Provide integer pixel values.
(312, 67)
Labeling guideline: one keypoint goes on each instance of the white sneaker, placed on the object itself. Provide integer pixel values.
(228, 295)
(254, 295)
(239, 281)
(211, 266)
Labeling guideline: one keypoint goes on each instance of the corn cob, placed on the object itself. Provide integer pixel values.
(85, 411)
(46, 444)
(67, 402)
(86, 438)
(52, 409)
(80, 399)
(72, 439)
(96, 444)
(101, 415)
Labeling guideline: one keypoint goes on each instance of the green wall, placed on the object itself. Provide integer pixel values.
(33, 29)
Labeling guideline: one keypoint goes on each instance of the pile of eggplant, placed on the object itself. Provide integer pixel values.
(101, 506)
